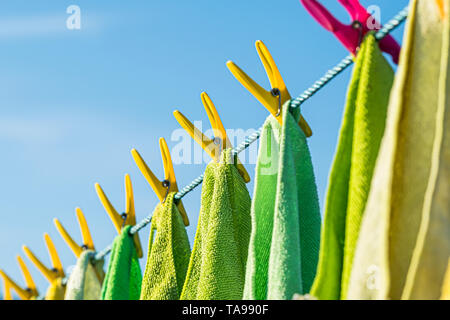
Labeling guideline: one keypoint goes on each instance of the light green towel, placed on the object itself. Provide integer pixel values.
(351, 174)
(404, 235)
(432, 249)
(168, 254)
(123, 278)
(217, 264)
(84, 281)
(285, 239)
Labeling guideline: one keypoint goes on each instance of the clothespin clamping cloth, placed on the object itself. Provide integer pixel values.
(351, 36)
(55, 275)
(28, 293)
(88, 243)
(221, 141)
(128, 218)
(169, 184)
(272, 100)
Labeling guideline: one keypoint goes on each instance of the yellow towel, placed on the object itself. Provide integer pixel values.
(404, 236)
(446, 286)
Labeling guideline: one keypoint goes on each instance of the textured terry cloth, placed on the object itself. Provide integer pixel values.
(123, 278)
(168, 254)
(407, 212)
(217, 264)
(84, 282)
(432, 249)
(352, 170)
(56, 290)
(285, 239)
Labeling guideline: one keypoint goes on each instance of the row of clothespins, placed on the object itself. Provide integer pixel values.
(273, 100)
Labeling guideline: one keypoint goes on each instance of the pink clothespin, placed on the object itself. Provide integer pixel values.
(351, 35)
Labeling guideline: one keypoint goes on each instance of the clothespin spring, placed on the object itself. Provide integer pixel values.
(219, 143)
(357, 25)
(276, 93)
(166, 184)
(54, 270)
(124, 217)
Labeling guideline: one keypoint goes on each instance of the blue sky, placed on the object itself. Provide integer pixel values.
(74, 102)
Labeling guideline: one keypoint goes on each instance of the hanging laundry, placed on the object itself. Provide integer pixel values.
(428, 265)
(85, 281)
(445, 295)
(404, 247)
(285, 239)
(123, 278)
(351, 173)
(217, 264)
(168, 254)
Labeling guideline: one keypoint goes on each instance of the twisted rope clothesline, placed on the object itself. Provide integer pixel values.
(295, 103)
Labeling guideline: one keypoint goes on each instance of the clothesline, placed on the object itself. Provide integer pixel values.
(295, 103)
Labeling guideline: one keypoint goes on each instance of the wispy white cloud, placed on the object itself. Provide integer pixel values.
(31, 131)
(32, 26)
(47, 25)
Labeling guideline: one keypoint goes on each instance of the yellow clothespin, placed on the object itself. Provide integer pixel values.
(128, 217)
(7, 296)
(29, 293)
(8, 285)
(442, 8)
(213, 147)
(31, 288)
(88, 244)
(161, 188)
(272, 100)
(50, 274)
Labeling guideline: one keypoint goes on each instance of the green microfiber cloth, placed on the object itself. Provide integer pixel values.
(352, 170)
(404, 245)
(168, 254)
(217, 264)
(123, 278)
(285, 239)
(84, 282)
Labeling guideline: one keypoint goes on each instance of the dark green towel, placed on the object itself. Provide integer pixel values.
(168, 254)
(351, 174)
(284, 245)
(123, 278)
(217, 266)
